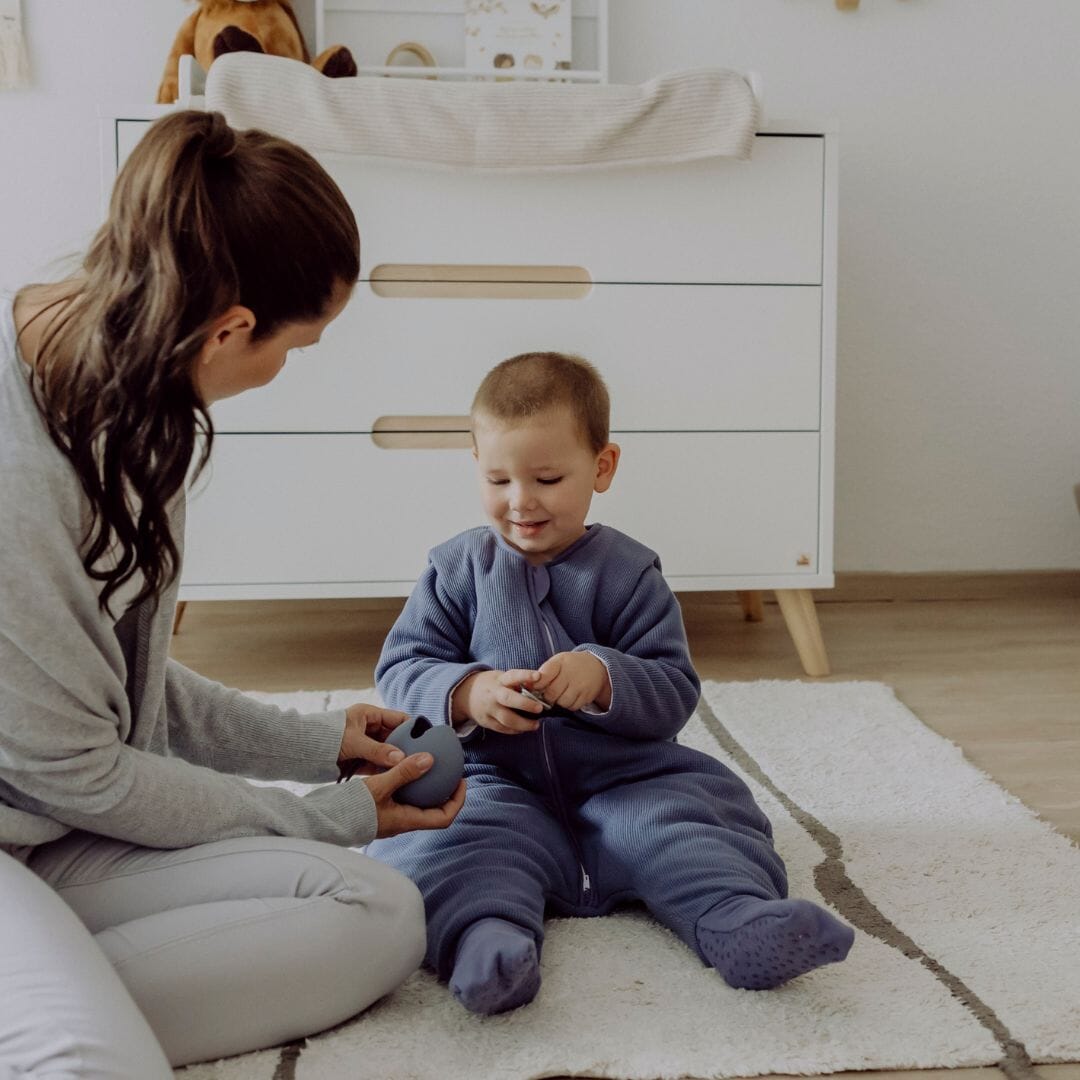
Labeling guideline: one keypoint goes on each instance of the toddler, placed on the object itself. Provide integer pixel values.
(591, 802)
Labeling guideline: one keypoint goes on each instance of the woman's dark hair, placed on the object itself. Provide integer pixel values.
(202, 218)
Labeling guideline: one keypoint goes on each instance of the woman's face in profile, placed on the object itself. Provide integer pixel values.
(231, 363)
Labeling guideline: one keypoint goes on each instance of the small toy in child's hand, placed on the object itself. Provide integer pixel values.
(442, 743)
(526, 692)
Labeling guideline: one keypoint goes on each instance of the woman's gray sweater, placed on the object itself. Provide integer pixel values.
(99, 729)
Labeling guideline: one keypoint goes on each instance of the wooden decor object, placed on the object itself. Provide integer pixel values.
(412, 48)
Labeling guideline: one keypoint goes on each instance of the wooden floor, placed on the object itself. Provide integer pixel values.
(1000, 677)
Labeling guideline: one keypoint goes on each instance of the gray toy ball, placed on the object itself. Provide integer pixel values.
(441, 742)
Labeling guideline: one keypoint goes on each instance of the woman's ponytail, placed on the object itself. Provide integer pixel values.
(202, 217)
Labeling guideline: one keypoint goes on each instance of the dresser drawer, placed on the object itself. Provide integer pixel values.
(302, 510)
(712, 221)
(294, 509)
(676, 357)
(716, 504)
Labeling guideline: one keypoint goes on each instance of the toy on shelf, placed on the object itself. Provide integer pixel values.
(267, 26)
(414, 49)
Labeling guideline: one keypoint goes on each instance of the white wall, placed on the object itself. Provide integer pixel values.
(959, 325)
(82, 53)
(958, 408)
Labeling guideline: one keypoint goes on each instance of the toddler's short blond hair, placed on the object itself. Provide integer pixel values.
(534, 382)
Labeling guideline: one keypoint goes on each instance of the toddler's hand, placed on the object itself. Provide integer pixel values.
(573, 680)
(490, 698)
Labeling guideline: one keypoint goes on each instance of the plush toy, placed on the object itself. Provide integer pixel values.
(266, 26)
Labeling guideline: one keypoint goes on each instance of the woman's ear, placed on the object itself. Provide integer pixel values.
(607, 461)
(230, 329)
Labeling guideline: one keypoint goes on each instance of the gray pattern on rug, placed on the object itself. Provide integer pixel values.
(834, 884)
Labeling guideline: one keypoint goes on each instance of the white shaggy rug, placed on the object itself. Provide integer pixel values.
(966, 907)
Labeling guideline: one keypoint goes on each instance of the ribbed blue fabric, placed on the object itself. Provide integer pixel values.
(480, 604)
(592, 808)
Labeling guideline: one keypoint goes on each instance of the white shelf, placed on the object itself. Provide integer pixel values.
(372, 28)
(418, 72)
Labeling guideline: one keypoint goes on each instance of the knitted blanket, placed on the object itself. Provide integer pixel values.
(504, 127)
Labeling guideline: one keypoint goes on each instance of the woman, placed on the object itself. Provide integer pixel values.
(157, 908)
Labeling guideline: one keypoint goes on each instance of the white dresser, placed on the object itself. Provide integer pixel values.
(704, 292)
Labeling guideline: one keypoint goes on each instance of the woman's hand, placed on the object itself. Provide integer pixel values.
(490, 698)
(363, 745)
(395, 817)
(573, 680)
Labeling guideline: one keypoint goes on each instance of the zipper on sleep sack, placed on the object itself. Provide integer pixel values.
(586, 881)
(547, 631)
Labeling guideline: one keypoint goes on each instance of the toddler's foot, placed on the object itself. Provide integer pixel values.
(496, 967)
(759, 944)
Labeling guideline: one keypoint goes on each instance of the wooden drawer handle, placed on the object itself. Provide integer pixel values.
(422, 433)
(455, 281)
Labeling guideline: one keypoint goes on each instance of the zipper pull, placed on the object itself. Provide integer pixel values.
(586, 883)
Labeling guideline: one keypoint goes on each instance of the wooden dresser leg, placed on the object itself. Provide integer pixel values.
(181, 607)
(752, 608)
(797, 607)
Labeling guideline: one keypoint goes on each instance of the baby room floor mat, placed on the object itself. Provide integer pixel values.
(966, 908)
